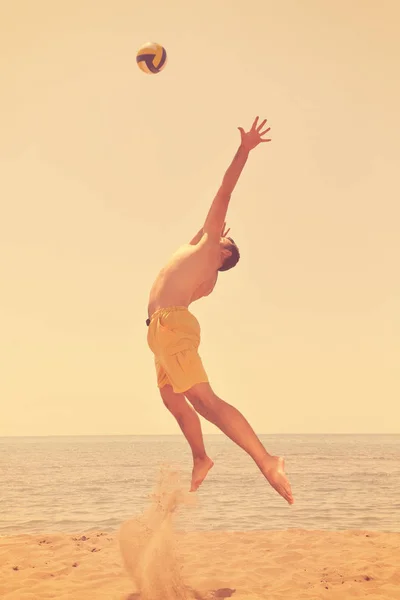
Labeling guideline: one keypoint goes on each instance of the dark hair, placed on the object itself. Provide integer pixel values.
(233, 259)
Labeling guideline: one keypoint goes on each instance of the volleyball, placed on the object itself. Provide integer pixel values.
(151, 58)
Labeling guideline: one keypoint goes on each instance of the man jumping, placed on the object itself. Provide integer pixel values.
(174, 333)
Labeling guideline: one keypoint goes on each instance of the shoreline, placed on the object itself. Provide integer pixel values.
(114, 532)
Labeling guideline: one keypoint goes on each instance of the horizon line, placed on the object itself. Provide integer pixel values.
(64, 435)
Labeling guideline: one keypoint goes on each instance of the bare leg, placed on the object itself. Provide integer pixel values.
(189, 422)
(231, 422)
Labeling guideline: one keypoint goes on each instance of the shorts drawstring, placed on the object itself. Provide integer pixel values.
(166, 309)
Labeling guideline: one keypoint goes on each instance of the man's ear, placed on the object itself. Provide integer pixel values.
(226, 253)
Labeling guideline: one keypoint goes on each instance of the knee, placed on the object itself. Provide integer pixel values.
(174, 402)
(203, 400)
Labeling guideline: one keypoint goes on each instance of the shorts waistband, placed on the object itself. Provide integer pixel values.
(166, 309)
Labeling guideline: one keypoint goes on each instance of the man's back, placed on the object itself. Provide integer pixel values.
(190, 274)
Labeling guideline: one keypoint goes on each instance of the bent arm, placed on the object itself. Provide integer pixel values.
(216, 215)
(200, 233)
(197, 237)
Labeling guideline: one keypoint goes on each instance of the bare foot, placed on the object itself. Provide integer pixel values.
(201, 466)
(274, 471)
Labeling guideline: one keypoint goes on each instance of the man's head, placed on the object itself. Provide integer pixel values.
(229, 254)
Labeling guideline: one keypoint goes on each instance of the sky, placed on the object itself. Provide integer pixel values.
(105, 171)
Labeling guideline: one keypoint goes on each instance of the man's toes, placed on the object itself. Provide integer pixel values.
(287, 497)
(285, 491)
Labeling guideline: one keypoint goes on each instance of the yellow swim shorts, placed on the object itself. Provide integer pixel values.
(174, 337)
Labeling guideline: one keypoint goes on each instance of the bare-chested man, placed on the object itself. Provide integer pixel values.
(174, 333)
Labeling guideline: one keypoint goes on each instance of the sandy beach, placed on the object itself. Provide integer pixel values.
(286, 565)
(120, 189)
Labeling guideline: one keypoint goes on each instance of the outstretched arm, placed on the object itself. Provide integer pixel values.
(219, 207)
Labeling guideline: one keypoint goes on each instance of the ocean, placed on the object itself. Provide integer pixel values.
(77, 484)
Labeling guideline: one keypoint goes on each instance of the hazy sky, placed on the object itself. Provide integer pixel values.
(106, 170)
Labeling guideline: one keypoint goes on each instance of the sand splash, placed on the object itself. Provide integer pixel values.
(148, 544)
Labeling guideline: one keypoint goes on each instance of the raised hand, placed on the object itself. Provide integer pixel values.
(251, 139)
